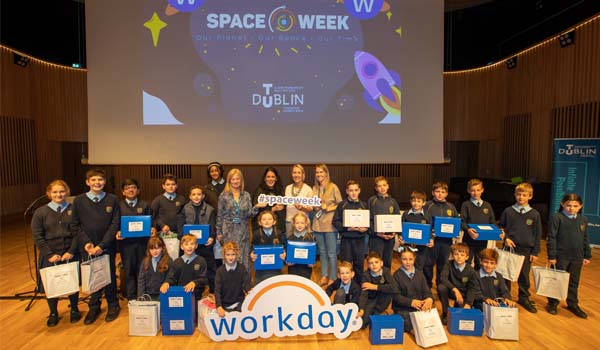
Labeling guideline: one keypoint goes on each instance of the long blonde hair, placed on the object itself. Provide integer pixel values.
(230, 174)
(302, 215)
(327, 180)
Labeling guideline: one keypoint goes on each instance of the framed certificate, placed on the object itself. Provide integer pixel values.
(388, 223)
(356, 218)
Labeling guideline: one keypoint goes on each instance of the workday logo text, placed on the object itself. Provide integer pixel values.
(285, 305)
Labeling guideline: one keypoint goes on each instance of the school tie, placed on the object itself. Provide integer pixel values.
(171, 198)
(196, 215)
(479, 204)
(96, 199)
(59, 210)
(411, 275)
(131, 204)
(522, 210)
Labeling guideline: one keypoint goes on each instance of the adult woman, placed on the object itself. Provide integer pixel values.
(296, 189)
(322, 226)
(53, 235)
(270, 186)
(235, 208)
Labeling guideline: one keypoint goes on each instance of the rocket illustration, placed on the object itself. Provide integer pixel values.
(382, 86)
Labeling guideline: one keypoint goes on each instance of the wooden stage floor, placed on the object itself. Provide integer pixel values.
(21, 329)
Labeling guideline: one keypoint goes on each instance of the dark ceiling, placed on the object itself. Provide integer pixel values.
(477, 32)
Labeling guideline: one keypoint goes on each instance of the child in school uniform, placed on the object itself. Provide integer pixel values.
(167, 207)
(266, 234)
(413, 292)
(569, 249)
(51, 226)
(189, 270)
(424, 252)
(196, 212)
(154, 269)
(382, 203)
(522, 226)
(438, 206)
(132, 249)
(458, 282)
(96, 217)
(475, 211)
(345, 287)
(300, 232)
(378, 288)
(232, 281)
(491, 282)
(212, 190)
(353, 238)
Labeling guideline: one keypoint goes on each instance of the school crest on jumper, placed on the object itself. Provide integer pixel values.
(391, 209)
(449, 212)
(69, 212)
(140, 210)
(486, 210)
(496, 283)
(423, 221)
(465, 279)
(177, 204)
(529, 222)
(109, 209)
(582, 227)
(196, 267)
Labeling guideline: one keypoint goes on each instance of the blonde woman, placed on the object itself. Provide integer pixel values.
(298, 188)
(323, 230)
(235, 209)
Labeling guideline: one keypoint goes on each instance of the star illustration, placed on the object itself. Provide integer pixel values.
(155, 25)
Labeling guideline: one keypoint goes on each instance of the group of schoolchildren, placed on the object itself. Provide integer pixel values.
(90, 227)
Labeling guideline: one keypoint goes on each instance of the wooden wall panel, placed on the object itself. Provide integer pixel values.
(549, 83)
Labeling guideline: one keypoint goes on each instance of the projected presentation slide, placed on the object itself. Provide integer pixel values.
(264, 81)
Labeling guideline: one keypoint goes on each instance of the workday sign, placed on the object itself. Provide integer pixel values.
(285, 305)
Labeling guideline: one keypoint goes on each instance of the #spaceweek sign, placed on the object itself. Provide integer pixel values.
(285, 305)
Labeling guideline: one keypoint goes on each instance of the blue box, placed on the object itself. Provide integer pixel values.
(465, 321)
(446, 227)
(136, 226)
(202, 232)
(486, 232)
(386, 329)
(303, 253)
(414, 233)
(177, 312)
(268, 257)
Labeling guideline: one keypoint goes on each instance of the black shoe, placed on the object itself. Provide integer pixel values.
(444, 319)
(573, 308)
(551, 308)
(528, 306)
(52, 320)
(113, 313)
(75, 316)
(91, 316)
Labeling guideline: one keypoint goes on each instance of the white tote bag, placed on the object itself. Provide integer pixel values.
(551, 283)
(95, 274)
(60, 280)
(206, 306)
(509, 264)
(172, 245)
(501, 322)
(144, 317)
(428, 328)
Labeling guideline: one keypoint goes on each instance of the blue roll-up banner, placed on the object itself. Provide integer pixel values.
(576, 169)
